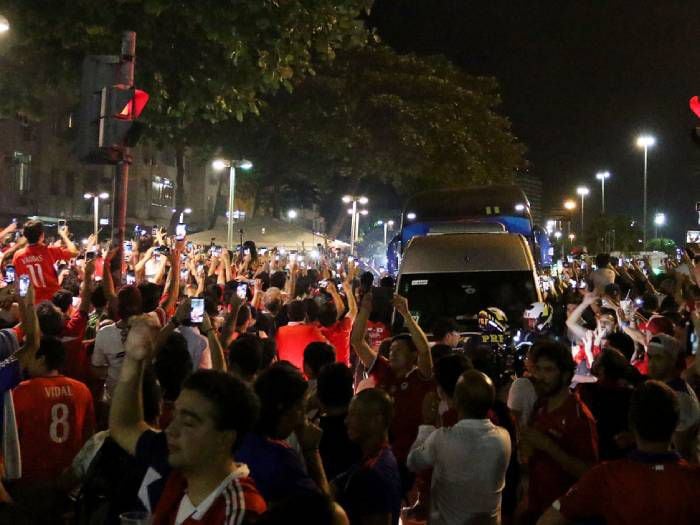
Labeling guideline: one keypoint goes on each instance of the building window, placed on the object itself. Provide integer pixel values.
(162, 190)
(21, 172)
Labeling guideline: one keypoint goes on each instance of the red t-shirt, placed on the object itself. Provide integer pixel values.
(239, 502)
(55, 416)
(408, 394)
(654, 489)
(572, 427)
(292, 341)
(339, 336)
(37, 261)
(377, 332)
(77, 363)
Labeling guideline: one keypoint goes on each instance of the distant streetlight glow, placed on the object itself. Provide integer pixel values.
(347, 199)
(583, 192)
(660, 219)
(646, 141)
(219, 165)
(519, 207)
(569, 204)
(292, 214)
(4, 24)
(557, 235)
(410, 216)
(95, 197)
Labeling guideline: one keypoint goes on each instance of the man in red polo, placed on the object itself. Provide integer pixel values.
(561, 442)
(407, 376)
(653, 485)
(293, 338)
(37, 260)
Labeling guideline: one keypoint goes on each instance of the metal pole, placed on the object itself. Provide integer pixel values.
(602, 184)
(352, 226)
(385, 230)
(96, 204)
(125, 76)
(645, 199)
(357, 226)
(231, 203)
(582, 197)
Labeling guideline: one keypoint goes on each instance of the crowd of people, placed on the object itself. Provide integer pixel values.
(180, 384)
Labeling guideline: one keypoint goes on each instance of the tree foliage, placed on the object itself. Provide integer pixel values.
(375, 117)
(613, 233)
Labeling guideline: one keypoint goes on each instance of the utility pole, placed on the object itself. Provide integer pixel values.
(125, 77)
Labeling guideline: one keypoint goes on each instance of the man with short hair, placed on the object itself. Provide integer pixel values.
(37, 259)
(245, 357)
(664, 351)
(55, 414)
(653, 485)
(293, 338)
(370, 492)
(469, 460)
(407, 376)
(195, 455)
(562, 442)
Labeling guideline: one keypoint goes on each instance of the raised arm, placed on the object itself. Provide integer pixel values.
(218, 362)
(63, 233)
(425, 358)
(86, 287)
(126, 422)
(173, 290)
(359, 328)
(573, 319)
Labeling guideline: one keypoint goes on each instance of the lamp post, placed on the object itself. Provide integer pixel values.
(355, 219)
(182, 214)
(387, 224)
(96, 207)
(659, 222)
(602, 176)
(583, 192)
(570, 206)
(645, 141)
(221, 164)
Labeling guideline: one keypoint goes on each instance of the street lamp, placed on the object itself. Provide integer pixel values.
(583, 192)
(182, 214)
(646, 142)
(602, 176)
(96, 207)
(387, 224)
(659, 221)
(4, 24)
(292, 214)
(219, 165)
(355, 218)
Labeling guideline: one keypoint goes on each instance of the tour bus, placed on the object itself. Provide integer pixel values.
(479, 209)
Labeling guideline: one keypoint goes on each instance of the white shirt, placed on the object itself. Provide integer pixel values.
(521, 398)
(109, 351)
(197, 346)
(469, 463)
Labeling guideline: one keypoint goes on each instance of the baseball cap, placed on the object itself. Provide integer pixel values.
(665, 343)
(658, 325)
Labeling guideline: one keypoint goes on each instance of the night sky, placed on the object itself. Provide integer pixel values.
(580, 80)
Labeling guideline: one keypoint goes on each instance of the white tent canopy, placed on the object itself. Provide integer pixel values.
(266, 232)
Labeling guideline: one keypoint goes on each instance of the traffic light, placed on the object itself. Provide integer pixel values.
(107, 116)
(122, 105)
(695, 108)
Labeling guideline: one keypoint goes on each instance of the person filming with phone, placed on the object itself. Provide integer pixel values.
(37, 259)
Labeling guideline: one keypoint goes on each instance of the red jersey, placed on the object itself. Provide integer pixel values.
(238, 502)
(408, 394)
(339, 336)
(293, 339)
(646, 488)
(572, 427)
(37, 261)
(77, 363)
(55, 416)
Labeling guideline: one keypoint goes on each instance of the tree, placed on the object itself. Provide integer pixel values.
(203, 62)
(372, 116)
(668, 246)
(613, 233)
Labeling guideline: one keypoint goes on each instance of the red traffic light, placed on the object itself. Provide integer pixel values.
(695, 105)
(135, 106)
